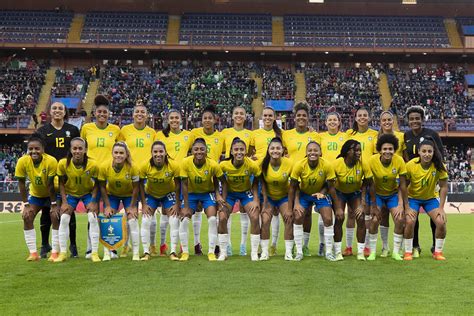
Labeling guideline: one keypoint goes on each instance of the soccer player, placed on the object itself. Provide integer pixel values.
(353, 177)
(39, 168)
(295, 141)
(367, 138)
(213, 138)
(162, 188)
(77, 182)
(239, 171)
(229, 134)
(199, 184)
(424, 174)
(413, 138)
(386, 168)
(118, 180)
(307, 188)
(276, 171)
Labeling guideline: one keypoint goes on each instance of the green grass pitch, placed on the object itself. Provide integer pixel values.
(239, 286)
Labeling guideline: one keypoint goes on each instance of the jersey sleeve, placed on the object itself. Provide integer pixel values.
(135, 174)
(217, 169)
(255, 169)
(176, 170)
(403, 167)
(52, 167)
(84, 132)
(61, 168)
(142, 172)
(443, 175)
(296, 172)
(367, 171)
(102, 173)
(95, 171)
(183, 172)
(330, 173)
(20, 170)
(252, 139)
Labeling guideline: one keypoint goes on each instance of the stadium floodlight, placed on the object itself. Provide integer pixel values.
(408, 1)
(316, 1)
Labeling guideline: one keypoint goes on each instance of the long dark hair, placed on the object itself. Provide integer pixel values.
(437, 158)
(355, 125)
(69, 153)
(158, 142)
(348, 145)
(167, 129)
(236, 140)
(266, 160)
(275, 126)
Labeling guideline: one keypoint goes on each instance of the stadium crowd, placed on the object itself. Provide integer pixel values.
(69, 83)
(278, 83)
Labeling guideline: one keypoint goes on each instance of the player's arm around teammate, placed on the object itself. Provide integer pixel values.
(162, 188)
(40, 169)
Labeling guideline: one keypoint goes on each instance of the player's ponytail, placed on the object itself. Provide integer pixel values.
(266, 159)
(437, 158)
(69, 154)
(167, 129)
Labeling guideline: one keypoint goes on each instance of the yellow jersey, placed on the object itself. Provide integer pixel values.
(228, 134)
(260, 139)
(312, 180)
(349, 180)
(296, 143)
(139, 142)
(238, 179)
(119, 183)
(423, 181)
(160, 182)
(100, 141)
(277, 180)
(367, 141)
(385, 177)
(214, 142)
(39, 174)
(79, 181)
(177, 145)
(331, 144)
(401, 143)
(200, 179)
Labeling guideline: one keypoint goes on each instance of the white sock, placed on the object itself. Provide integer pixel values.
(164, 220)
(298, 236)
(197, 222)
(134, 235)
(397, 242)
(94, 231)
(439, 244)
(360, 247)
(337, 247)
(384, 236)
(153, 230)
(306, 237)
(229, 231)
(254, 243)
(30, 239)
(88, 239)
(183, 234)
(55, 240)
(212, 232)
(409, 245)
(127, 243)
(244, 226)
(289, 248)
(373, 242)
(264, 243)
(174, 233)
(63, 232)
(275, 229)
(145, 232)
(367, 239)
(321, 230)
(349, 237)
(328, 238)
(223, 240)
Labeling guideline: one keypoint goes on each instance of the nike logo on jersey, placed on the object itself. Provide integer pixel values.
(49, 134)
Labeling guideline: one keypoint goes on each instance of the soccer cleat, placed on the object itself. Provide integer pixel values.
(211, 257)
(173, 257)
(366, 251)
(136, 257)
(243, 250)
(254, 257)
(217, 251)
(372, 257)
(432, 249)
(73, 250)
(347, 252)
(184, 256)
(416, 252)
(45, 249)
(339, 257)
(264, 257)
(53, 256)
(320, 251)
(163, 249)
(289, 257)
(106, 256)
(273, 251)
(385, 253)
(88, 254)
(146, 257)
(438, 256)
(95, 257)
(361, 257)
(153, 251)
(114, 254)
(229, 251)
(408, 256)
(124, 252)
(61, 257)
(198, 250)
(306, 252)
(298, 257)
(331, 257)
(221, 257)
(33, 257)
(397, 256)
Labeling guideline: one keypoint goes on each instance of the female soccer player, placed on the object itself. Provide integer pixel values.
(276, 171)
(307, 188)
(39, 168)
(118, 182)
(162, 188)
(213, 138)
(228, 134)
(353, 177)
(424, 173)
(295, 141)
(77, 182)
(199, 184)
(386, 168)
(239, 170)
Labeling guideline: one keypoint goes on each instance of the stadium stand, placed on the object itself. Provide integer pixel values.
(278, 83)
(71, 83)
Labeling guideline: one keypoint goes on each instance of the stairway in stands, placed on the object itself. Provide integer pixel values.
(90, 96)
(453, 34)
(174, 25)
(300, 83)
(278, 34)
(386, 96)
(45, 93)
(257, 103)
(75, 31)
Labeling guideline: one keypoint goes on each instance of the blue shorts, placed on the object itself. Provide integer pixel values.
(347, 197)
(115, 201)
(166, 201)
(41, 202)
(206, 199)
(73, 200)
(277, 203)
(428, 205)
(243, 197)
(390, 201)
(307, 201)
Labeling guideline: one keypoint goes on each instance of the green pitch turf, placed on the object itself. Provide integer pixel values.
(238, 286)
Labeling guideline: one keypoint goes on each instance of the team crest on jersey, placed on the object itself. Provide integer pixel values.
(370, 138)
(43, 171)
(246, 135)
(341, 138)
(88, 172)
(147, 135)
(285, 174)
(394, 170)
(320, 173)
(433, 173)
(186, 138)
(167, 174)
(357, 171)
(422, 139)
(246, 172)
(127, 176)
(309, 139)
(68, 134)
(206, 172)
(216, 140)
(111, 134)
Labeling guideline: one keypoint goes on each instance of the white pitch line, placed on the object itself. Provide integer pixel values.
(6, 222)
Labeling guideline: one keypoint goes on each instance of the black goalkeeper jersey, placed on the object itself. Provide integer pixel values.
(412, 142)
(58, 142)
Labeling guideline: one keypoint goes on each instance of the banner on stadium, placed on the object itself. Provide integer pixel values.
(113, 231)
(10, 207)
(281, 105)
(70, 103)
